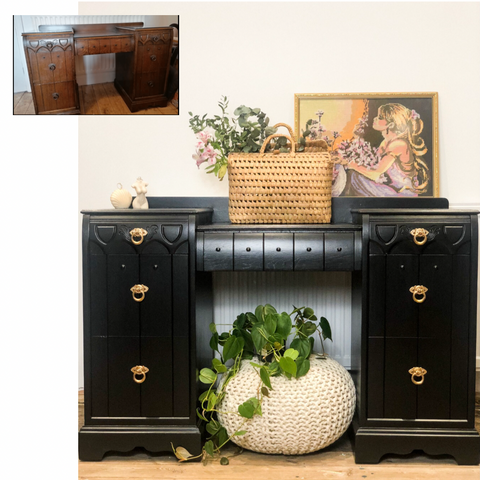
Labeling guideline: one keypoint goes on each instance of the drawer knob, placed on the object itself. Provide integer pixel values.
(309, 249)
(417, 372)
(141, 371)
(339, 249)
(155, 39)
(419, 235)
(217, 249)
(419, 293)
(52, 66)
(150, 84)
(139, 290)
(248, 249)
(55, 96)
(50, 45)
(153, 58)
(279, 249)
(139, 233)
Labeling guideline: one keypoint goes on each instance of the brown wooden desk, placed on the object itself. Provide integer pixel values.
(142, 59)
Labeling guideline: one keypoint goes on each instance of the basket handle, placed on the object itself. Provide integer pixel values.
(275, 135)
(288, 127)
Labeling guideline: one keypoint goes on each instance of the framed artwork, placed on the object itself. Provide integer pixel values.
(382, 144)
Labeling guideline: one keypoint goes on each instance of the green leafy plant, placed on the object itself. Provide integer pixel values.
(220, 135)
(260, 337)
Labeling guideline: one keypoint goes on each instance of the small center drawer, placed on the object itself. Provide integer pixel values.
(339, 251)
(218, 251)
(285, 251)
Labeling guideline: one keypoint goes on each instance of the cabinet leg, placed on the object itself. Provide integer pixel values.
(371, 444)
(95, 442)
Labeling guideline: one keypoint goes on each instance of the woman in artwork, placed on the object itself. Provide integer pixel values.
(396, 168)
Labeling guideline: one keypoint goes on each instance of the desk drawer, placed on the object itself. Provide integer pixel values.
(218, 251)
(339, 251)
(55, 96)
(81, 47)
(122, 44)
(104, 45)
(248, 251)
(51, 65)
(308, 251)
(149, 84)
(278, 251)
(284, 251)
(152, 58)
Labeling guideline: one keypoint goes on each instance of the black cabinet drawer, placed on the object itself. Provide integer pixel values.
(339, 251)
(278, 251)
(308, 248)
(426, 235)
(218, 251)
(248, 251)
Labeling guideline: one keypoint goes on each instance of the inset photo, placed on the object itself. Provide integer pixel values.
(96, 65)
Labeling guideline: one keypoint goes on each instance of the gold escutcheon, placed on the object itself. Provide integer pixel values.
(417, 372)
(419, 290)
(139, 290)
(139, 370)
(419, 235)
(137, 233)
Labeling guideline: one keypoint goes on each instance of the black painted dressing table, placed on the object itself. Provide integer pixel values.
(148, 302)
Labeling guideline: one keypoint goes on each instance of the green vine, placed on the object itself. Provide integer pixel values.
(259, 336)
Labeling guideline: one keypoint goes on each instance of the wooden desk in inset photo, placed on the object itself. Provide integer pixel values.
(142, 60)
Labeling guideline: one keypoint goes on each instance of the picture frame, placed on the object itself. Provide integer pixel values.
(382, 144)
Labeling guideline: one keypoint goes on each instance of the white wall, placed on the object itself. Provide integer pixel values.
(261, 54)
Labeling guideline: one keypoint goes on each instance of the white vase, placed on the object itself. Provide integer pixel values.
(300, 415)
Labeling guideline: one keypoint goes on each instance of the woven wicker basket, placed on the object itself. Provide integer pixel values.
(280, 188)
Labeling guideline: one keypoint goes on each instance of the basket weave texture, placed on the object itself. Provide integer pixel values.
(280, 188)
(299, 416)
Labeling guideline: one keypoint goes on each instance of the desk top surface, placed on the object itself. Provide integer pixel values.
(95, 29)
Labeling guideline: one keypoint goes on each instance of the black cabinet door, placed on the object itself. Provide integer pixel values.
(129, 329)
(407, 330)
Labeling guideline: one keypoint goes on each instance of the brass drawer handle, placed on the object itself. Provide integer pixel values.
(139, 290)
(139, 370)
(55, 96)
(417, 372)
(419, 235)
(137, 233)
(52, 66)
(419, 290)
(153, 58)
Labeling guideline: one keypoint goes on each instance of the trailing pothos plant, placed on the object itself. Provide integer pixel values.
(261, 338)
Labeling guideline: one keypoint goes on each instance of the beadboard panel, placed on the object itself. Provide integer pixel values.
(328, 293)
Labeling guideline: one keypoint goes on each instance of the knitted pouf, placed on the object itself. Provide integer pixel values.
(300, 415)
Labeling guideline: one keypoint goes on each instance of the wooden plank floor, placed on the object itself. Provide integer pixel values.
(98, 99)
(335, 461)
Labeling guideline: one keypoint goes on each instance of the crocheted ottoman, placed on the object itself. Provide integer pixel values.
(300, 415)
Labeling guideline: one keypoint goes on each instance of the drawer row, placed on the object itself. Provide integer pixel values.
(104, 45)
(335, 251)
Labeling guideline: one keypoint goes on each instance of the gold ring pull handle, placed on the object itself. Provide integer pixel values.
(138, 233)
(419, 235)
(139, 370)
(139, 290)
(417, 372)
(419, 293)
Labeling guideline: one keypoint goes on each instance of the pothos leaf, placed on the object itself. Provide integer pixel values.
(326, 330)
(209, 447)
(233, 346)
(264, 375)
